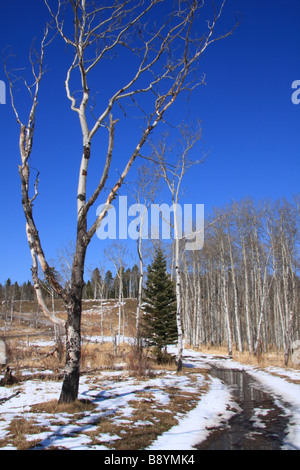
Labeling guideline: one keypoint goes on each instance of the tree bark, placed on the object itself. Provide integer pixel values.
(70, 384)
(235, 291)
(225, 300)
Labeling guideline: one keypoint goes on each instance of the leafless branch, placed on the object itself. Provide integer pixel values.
(36, 60)
(35, 188)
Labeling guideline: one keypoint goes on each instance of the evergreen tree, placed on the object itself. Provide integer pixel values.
(7, 289)
(89, 293)
(109, 281)
(96, 283)
(158, 323)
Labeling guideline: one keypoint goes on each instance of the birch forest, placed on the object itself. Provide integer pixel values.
(242, 288)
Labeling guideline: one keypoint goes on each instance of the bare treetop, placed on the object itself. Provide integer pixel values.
(166, 47)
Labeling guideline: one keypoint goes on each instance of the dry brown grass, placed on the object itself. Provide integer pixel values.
(94, 356)
(97, 355)
(21, 427)
(148, 420)
(138, 363)
(18, 429)
(53, 407)
(91, 318)
(20, 336)
(271, 358)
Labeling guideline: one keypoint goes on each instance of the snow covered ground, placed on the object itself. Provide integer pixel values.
(279, 382)
(118, 393)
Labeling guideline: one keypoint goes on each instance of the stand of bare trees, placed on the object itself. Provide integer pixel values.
(164, 51)
(242, 289)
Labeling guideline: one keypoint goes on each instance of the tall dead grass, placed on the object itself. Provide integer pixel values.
(270, 358)
(138, 363)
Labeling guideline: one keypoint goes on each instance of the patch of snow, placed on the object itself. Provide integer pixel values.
(214, 408)
(288, 395)
(194, 427)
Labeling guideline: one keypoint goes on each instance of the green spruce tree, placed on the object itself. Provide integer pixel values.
(158, 323)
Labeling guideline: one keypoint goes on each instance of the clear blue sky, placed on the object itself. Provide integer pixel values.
(250, 126)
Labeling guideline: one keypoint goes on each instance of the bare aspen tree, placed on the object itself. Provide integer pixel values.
(166, 51)
(265, 293)
(282, 229)
(96, 281)
(99, 287)
(116, 254)
(219, 232)
(234, 285)
(145, 192)
(63, 261)
(173, 175)
(243, 229)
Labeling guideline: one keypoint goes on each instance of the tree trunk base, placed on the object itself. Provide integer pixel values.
(179, 365)
(69, 391)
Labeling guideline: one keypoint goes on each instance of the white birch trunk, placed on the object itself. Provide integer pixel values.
(141, 278)
(235, 293)
(178, 292)
(261, 313)
(225, 301)
(246, 293)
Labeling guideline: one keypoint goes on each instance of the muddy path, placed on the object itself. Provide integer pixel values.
(259, 422)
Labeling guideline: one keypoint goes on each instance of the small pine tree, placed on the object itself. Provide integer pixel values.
(158, 323)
